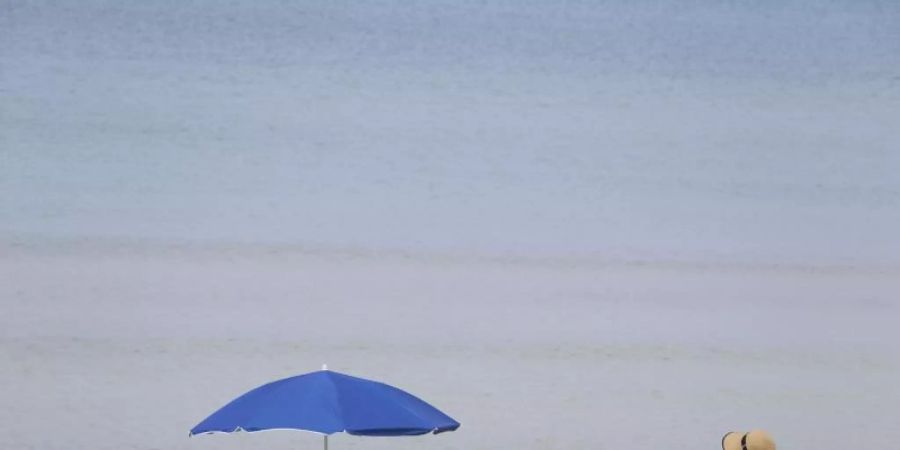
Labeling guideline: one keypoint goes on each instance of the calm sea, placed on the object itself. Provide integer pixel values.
(761, 132)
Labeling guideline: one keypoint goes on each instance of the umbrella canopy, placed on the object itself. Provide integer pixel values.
(329, 402)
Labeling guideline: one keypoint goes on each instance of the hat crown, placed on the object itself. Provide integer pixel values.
(753, 440)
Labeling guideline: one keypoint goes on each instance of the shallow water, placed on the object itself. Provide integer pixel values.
(656, 131)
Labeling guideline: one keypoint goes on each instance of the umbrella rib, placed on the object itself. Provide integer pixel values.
(337, 395)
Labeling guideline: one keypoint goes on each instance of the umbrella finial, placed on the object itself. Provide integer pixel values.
(324, 366)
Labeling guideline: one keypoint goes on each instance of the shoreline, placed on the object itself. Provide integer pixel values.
(30, 245)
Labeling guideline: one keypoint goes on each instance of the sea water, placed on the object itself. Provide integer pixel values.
(658, 130)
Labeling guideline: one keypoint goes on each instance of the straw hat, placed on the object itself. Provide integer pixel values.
(754, 440)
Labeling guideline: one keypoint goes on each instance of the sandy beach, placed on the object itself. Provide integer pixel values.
(111, 345)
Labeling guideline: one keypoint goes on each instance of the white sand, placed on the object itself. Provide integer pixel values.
(127, 346)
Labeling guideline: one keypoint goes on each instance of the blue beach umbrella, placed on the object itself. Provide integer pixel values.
(328, 402)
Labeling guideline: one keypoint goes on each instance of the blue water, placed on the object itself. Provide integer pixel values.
(699, 130)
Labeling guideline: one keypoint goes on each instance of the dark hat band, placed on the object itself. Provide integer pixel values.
(726, 437)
